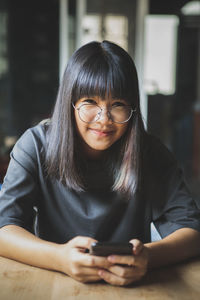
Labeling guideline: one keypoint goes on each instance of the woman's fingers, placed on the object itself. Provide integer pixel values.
(79, 265)
(95, 261)
(126, 272)
(79, 257)
(129, 260)
(121, 275)
(86, 260)
(117, 280)
(127, 268)
(82, 242)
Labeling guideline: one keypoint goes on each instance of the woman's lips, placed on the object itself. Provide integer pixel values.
(101, 132)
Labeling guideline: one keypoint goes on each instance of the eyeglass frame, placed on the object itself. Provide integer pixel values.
(100, 113)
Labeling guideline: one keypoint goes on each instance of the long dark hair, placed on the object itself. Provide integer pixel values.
(96, 69)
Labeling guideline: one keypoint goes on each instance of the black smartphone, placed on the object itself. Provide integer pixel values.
(108, 248)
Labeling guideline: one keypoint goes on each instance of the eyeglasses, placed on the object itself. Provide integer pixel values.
(90, 113)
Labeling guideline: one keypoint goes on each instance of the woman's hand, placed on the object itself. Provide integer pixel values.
(81, 266)
(127, 268)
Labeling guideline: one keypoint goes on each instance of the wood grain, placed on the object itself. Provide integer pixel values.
(22, 282)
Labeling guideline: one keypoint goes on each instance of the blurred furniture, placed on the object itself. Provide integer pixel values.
(160, 117)
(22, 282)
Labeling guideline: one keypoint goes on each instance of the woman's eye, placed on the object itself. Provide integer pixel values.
(118, 104)
(91, 101)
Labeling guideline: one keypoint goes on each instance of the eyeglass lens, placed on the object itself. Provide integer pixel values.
(91, 113)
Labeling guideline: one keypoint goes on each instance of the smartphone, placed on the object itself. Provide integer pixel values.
(108, 248)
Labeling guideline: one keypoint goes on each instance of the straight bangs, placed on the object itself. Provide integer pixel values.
(105, 79)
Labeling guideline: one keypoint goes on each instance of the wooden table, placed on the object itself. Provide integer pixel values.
(22, 282)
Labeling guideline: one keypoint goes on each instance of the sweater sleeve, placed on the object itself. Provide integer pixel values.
(173, 206)
(18, 196)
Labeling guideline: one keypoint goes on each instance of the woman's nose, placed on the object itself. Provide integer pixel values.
(104, 115)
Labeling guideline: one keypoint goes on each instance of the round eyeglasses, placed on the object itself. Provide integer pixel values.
(90, 113)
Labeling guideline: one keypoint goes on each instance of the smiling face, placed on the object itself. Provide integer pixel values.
(103, 133)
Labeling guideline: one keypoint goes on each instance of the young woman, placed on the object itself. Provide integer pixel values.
(92, 173)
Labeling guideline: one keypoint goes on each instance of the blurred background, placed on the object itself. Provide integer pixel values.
(163, 37)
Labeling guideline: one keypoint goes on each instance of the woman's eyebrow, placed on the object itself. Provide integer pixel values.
(119, 100)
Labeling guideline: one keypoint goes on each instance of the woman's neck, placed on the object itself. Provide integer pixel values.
(92, 154)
